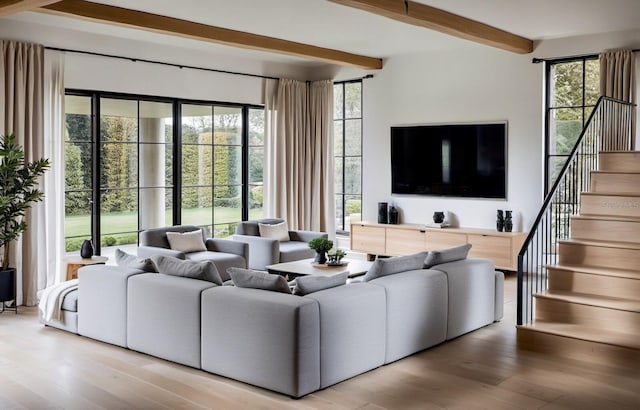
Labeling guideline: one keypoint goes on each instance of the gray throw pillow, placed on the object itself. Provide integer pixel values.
(132, 261)
(205, 270)
(447, 255)
(396, 264)
(307, 284)
(247, 278)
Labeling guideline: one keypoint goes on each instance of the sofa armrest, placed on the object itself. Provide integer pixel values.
(262, 251)
(148, 251)
(228, 246)
(306, 236)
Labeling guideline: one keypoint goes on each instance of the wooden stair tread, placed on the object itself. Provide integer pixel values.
(606, 218)
(608, 302)
(595, 270)
(613, 172)
(585, 333)
(622, 194)
(603, 244)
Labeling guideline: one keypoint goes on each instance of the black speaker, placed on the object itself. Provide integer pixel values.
(382, 213)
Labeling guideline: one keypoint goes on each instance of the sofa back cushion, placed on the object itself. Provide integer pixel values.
(132, 261)
(447, 255)
(158, 236)
(251, 227)
(205, 270)
(247, 278)
(389, 266)
(314, 283)
(187, 241)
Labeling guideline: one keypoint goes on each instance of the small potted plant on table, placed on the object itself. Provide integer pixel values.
(334, 256)
(321, 246)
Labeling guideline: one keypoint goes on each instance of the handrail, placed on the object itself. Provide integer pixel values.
(609, 127)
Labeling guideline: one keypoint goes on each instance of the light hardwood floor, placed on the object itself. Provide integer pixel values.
(42, 368)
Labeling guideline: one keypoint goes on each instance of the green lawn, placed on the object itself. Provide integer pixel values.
(115, 223)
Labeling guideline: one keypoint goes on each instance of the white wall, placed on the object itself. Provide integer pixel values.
(478, 84)
(117, 75)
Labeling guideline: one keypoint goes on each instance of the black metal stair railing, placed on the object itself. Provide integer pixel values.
(609, 128)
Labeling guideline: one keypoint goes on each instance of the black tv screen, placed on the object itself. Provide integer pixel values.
(461, 160)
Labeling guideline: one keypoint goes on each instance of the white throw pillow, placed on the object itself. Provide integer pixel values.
(187, 241)
(277, 231)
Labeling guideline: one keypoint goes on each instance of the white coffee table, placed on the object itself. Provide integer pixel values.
(307, 267)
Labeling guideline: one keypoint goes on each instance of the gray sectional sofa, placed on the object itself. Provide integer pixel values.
(282, 342)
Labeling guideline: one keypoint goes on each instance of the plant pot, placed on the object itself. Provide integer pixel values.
(321, 258)
(86, 250)
(7, 284)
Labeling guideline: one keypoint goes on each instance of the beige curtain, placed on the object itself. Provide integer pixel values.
(617, 75)
(617, 80)
(21, 113)
(299, 154)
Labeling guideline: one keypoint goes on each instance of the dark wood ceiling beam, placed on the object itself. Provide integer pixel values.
(418, 14)
(172, 26)
(9, 7)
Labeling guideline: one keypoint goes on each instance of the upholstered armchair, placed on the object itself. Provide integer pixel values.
(182, 242)
(276, 244)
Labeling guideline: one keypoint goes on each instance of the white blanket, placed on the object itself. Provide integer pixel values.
(51, 299)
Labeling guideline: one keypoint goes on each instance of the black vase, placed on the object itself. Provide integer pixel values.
(508, 222)
(438, 217)
(393, 215)
(382, 213)
(86, 250)
(321, 258)
(500, 221)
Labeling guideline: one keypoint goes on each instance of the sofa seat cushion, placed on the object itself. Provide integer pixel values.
(269, 339)
(223, 261)
(295, 251)
(163, 317)
(70, 301)
(416, 311)
(352, 330)
(472, 294)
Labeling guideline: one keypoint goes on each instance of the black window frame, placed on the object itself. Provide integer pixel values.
(95, 97)
(341, 230)
(548, 157)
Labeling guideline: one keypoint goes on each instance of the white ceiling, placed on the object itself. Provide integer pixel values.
(326, 24)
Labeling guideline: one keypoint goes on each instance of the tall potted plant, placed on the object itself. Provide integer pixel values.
(18, 190)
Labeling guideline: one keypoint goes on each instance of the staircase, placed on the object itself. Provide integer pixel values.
(590, 309)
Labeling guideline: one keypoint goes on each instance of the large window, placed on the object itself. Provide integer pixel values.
(131, 164)
(572, 92)
(347, 119)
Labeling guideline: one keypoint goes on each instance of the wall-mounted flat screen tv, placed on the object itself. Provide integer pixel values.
(457, 160)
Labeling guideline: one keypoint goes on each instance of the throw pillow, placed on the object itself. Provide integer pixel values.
(132, 261)
(307, 284)
(187, 241)
(276, 231)
(447, 255)
(397, 264)
(246, 278)
(205, 270)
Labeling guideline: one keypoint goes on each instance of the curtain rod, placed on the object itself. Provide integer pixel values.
(91, 53)
(543, 60)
